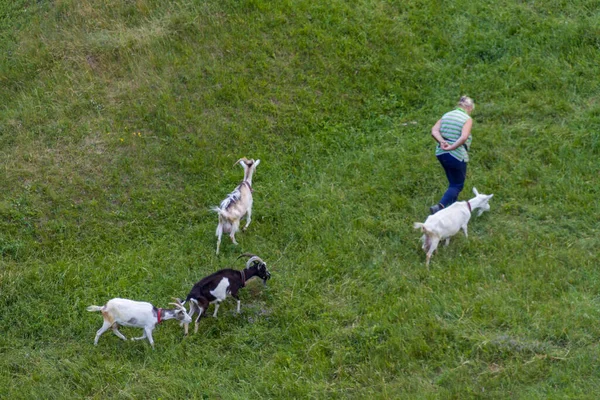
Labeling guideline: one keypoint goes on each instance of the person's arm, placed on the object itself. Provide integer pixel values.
(435, 132)
(464, 135)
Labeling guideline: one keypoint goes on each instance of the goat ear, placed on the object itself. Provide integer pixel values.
(490, 196)
(256, 163)
(475, 191)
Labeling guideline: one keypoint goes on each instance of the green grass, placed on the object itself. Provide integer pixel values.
(119, 125)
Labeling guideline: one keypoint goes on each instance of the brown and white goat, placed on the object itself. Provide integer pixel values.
(123, 312)
(237, 204)
(215, 287)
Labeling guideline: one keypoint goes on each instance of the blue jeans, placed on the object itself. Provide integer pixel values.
(456, 172)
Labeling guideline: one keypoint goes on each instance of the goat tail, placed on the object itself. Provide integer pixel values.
(222, 213)
(421, 226)
(225, 216)
(94, 308)
(188, 298)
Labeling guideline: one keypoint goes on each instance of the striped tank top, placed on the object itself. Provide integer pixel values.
(451, 129)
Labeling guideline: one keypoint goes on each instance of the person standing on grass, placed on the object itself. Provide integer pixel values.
(453, 134)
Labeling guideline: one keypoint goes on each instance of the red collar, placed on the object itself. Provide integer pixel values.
(158, 315)
(243, 278)
(469, 205)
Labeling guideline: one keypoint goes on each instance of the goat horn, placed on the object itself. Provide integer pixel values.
(178, 300)
(178, 303)
(244, 159)
(179, 306)
(246, 255)
(253, 258)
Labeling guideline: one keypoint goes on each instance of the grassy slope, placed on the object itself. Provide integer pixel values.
(118, 129)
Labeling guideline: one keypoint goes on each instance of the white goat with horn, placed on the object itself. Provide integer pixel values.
(448, 221)
(139, 314)
(237, 204)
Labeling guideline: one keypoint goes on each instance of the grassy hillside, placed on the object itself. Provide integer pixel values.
(120, 122)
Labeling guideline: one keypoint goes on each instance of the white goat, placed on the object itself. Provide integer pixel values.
(237, 204)
(123, 312)
(448, 221)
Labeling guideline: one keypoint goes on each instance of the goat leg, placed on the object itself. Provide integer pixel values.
(237, 298)
(248, 218)
(426, 243)
(432, 248)
(235, 226)
(148, 332)
(219, 234)
(115, 329)
(105, 326)
(197, 322)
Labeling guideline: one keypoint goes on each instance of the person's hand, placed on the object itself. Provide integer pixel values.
(444, 145)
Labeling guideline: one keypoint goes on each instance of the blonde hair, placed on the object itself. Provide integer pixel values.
(466, 102)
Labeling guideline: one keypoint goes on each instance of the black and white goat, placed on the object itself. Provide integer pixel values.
(215, 287)
(237, 204)
(123, 312)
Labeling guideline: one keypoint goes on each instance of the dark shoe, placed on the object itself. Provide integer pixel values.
(436, 208)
